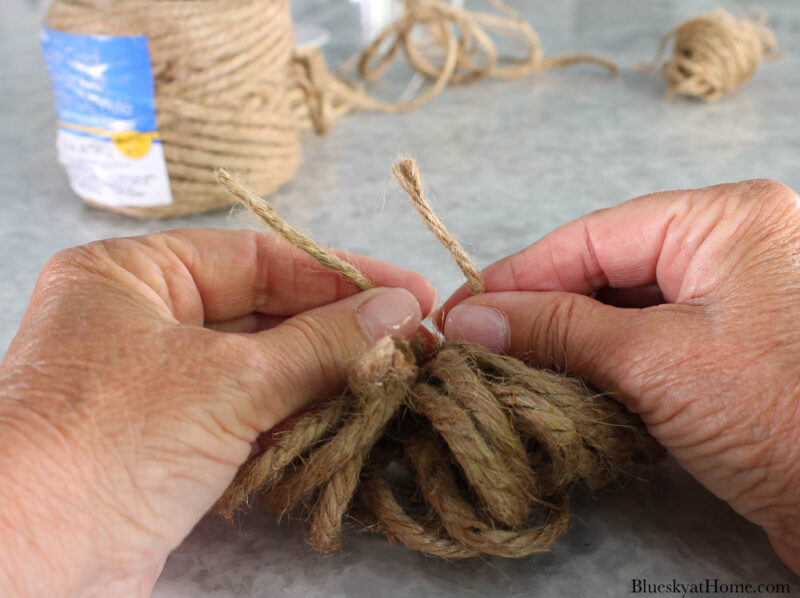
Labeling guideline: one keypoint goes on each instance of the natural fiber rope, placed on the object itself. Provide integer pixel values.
(488, 448)
(267, 213)
(456, 48)
(407, 174)
(221, 74)
(714, 53)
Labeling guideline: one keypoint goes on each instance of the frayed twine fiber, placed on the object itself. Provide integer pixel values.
(713, 53)
(221, 75)
(456, 453)
(454, 45)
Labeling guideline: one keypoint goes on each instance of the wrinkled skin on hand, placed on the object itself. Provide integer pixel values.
(143, 372)
(686, 304)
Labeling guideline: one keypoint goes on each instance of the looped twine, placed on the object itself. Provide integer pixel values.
(317, 96)
(453, 46)
(713, 53)
(456, 453)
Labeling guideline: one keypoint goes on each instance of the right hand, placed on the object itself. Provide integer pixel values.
(685, 304)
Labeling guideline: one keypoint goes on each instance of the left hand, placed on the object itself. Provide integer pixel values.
(142, 373)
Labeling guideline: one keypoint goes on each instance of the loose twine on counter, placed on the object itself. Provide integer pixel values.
(456, 453)
(456, 47)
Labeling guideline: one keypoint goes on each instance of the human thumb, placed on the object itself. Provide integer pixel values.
(308, 356)
(564, 331)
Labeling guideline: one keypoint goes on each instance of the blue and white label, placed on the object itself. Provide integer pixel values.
(107, 139)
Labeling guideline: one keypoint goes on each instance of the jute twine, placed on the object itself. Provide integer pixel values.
(221, 74)
(456, 453)
(453, 45)
(713, 53)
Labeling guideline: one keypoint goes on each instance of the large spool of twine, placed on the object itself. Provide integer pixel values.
(221, 75)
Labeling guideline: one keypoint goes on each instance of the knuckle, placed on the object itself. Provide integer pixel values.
(92, 258)
(769, 193)
(67, 261)
(63, 275)
(769, 189)
(771, 208)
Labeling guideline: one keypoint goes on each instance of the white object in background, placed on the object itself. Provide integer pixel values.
(377, 14)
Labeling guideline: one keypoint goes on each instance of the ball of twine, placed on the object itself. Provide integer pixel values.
(713, 53)
(221, 74)
(456, 453)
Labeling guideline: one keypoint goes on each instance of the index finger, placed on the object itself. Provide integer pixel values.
(621, 247)
(211, 275)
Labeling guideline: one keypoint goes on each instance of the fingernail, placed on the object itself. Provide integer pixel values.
(393, 312)
(486, 326)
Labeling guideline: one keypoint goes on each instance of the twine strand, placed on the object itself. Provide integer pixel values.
(270, 217)
(406, 173)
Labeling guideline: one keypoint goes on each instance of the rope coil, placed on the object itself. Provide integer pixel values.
(490, 447)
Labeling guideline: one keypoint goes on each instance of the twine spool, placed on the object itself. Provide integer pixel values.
(491, 447)
(713, 53)
(221, 74)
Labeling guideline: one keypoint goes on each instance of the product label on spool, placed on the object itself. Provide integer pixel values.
(107, 135)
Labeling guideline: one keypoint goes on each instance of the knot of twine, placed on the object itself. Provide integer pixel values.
(713, 53)
(453, 46)
(456, 453)
(221, 76)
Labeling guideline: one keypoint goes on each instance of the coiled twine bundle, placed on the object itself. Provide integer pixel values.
(456, 452)
(715, 52)
(221, 74)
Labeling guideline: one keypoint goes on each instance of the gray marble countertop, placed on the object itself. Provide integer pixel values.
(506, 162)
